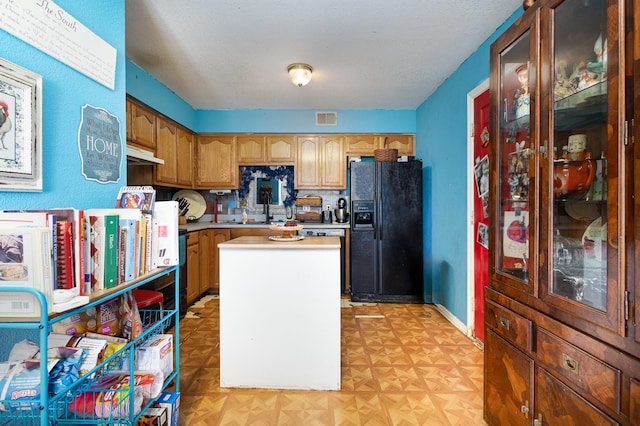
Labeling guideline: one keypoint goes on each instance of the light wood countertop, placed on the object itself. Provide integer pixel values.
(307, 243)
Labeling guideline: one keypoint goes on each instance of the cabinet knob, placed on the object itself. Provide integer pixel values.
(504, 323)
(570, 364)
(525, 409)
(538, 421)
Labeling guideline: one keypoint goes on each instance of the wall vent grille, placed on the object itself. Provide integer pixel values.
(326, 118)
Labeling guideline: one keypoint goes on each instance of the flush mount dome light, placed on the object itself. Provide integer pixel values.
(300, 74)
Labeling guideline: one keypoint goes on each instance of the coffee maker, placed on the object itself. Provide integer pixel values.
(341, 212)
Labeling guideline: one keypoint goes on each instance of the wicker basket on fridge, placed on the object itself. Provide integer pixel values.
(386, 154)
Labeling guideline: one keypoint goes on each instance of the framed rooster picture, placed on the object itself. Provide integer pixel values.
(20, 128)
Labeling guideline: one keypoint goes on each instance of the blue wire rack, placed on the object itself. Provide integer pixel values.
(55, 409)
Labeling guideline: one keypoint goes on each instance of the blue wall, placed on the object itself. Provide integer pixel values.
(439, 124)
(303, 121)
(144, 87)
(65, 91)
(441, 136)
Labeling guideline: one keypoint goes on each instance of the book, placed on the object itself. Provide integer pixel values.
(134, 214)
(111, 234)
(136, 197)
(149, 242)
(129, 227)
(97, 242)
(76, 218)
(165, 234)
(30, 218)
(122, 252)
(64, 264)
(25, 261)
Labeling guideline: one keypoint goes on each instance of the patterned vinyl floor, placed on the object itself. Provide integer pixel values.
(402, 364)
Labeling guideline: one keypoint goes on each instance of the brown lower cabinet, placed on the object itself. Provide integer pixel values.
(203, 266)
(538, 372)
(193, 267)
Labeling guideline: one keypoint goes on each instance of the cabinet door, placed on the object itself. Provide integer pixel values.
(185, 160)
(166, 149)
(582, 227)
(556, 404)
(513, 245)
(636, 170)
(218, 236)
(507, 383)
(128, 120)
(281, 149)
(334, 163)
(193, 267)
(251, 149)
(143, 126)
(205, 260)
(403, 143)
(217, 165)
(308, 164)
(362, 145)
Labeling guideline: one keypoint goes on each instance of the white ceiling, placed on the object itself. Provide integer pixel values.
(366, 54)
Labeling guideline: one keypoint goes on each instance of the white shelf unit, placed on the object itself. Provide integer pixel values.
(55, 409)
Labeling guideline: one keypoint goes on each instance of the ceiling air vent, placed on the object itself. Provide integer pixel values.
(326, 118)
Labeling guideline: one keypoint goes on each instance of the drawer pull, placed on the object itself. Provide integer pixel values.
(504, 323)
(524, 409)
(570, 364)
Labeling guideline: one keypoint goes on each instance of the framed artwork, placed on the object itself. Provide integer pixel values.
(483, 235)
(20, 128)
(481, 170)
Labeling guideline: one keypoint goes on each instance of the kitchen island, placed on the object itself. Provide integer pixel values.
(280, 313)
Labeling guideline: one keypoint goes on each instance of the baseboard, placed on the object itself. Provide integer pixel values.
(452, 319)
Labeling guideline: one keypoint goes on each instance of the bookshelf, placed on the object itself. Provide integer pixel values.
(57, 408)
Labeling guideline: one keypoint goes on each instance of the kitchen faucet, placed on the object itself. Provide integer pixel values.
(266, 198)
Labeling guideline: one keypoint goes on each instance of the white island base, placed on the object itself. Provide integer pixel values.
(280, 313)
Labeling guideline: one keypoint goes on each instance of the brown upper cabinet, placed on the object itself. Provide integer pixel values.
(251, 149)
(217, 163)
(141, 128)
(361, 145)
(365, 145)
(403, 143)
(321, 162)
(166, 149)
(256, 150)
(281, 149)
(186, 158)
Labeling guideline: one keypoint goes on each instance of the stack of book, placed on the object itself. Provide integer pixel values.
(68, 253)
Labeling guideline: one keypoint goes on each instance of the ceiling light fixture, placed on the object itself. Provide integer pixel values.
(300, 74)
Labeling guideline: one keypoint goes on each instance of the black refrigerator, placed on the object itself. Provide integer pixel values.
(386, 232)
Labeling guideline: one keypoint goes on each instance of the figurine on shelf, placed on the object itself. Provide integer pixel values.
(600, 49)
(521, 99)
(563, 85)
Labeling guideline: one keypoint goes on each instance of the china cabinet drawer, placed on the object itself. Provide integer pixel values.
(513, 327)
(634, 400)
(593, 376)
(557, 404)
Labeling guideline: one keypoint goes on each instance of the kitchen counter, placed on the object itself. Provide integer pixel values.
(280, 313)
(199, 226)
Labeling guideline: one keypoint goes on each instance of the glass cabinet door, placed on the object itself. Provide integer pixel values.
(579, 201)
(513, 202)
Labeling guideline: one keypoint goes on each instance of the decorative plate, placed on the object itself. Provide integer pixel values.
(197, 204)
(594, 241)
(283, 239)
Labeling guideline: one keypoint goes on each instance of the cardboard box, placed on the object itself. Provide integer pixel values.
(154, 416)
(156, 354)
(170, 401)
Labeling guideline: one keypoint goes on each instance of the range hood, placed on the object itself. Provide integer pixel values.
(139, 157)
